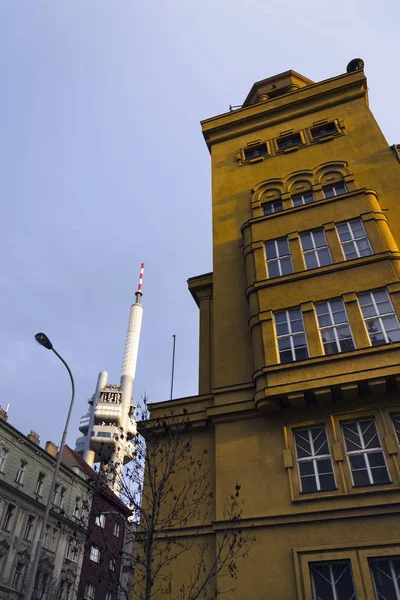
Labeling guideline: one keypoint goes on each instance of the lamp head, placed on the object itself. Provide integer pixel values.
(43, 340)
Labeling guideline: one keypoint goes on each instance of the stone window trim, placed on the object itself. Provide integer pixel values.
(365, 453)
(39, 484)
(3, 457)
(341, 467)
(19, 477)
(8, 516)
(360, 555)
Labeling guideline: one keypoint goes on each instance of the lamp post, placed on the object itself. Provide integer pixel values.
(44, 341)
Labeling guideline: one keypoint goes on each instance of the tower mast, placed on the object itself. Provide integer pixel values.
(109, 424)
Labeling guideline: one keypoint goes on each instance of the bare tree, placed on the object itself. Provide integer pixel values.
(169, 488)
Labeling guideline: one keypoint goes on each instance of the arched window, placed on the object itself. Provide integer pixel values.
(271, 201)
(301, 192)
(333, 184)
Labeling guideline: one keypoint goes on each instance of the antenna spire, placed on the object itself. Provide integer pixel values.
(139, 291)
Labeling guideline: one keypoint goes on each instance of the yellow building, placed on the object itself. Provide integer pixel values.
(299, 365)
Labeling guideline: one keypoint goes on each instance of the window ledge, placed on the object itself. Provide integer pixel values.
(373, 489)
(326, 358)
(333, 268)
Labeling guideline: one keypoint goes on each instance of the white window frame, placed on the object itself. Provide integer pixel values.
(354, 239)
(333, 187)
(30, 523)
(21, 472)
(315, 250)
(378, 317)
(271, 203)
(101, 520)
(95, 554)
(39, 483)
(291, 334)
(314, 456)
(117, 529)
(303, 198)
(364, 451)
(8, 516)
(3, 458)
(332, 579)
(72, 551)
(393, 573)
(278, 258)
(334, 326)
(396, 426)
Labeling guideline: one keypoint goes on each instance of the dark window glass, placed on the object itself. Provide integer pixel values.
(289, 141)
(255, 151)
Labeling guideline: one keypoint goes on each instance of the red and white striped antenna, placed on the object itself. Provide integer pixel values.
(139, 291)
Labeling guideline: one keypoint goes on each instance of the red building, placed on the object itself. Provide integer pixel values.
(103, 575)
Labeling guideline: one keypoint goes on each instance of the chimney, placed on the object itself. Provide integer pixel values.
(34, 437)
(51, 448)
(3, 414)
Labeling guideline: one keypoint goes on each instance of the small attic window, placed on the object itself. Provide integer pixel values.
(324, 130)
(256, 151)
(289, 141)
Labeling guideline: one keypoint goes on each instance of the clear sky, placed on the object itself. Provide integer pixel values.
(103, 166)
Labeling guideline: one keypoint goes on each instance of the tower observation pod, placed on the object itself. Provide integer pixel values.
(109, 426)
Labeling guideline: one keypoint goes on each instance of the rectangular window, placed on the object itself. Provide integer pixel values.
(18, 576)
(354, 239)
(8, 516)
(365, 453)
(304, 198)
(101, 520)
(29, 528)
(314, 460)
(334, 326)
(90, 591)
(279, 261)
(109, 596)
(65, 591)
(21, 471)
(255, 151)
(396, 425)
(56, 494)
(289, 141)
(332, 580)
(46, 537)
(112, 564)
(3, 456)
(53, 541)
(72, 551)
(62, 497)
(315, 249)
(320, 131)
(116, 529)
(334, 190)
(379, 317)
(39, 484)
(386, 577)
(272, 207)
(290, 334)
(95, 554)
(78, 507)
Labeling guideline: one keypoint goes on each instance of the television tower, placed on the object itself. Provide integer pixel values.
(109, 425)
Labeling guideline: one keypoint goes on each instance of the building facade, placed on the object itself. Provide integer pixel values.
(299, 366)
(106, 572)
(25, 475)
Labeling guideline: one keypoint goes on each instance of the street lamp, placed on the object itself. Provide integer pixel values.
(44, 341)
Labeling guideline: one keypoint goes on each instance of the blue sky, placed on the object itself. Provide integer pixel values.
(103, 166)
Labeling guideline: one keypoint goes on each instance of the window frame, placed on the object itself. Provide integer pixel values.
(278, 258)
(90, 587)
(39, 483)
(353, 238)
(330, 564)
(19, 477)
(313, 458)
(100, 520)
(333, 326)
(315, 249)
(271, 203)
(290, 335)
(378, 317)
(395, 580)
(117, 529)
(365, 451)
(3, 457)
(72, 551)
(8, 516)
(396, 416)
(321, 126)
(15, 585)
(302, 195)
(333, 187)
(253, 147)
(29, 526)
(94, 554)
(287, 136)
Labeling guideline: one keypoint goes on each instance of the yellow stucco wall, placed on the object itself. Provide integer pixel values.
(249, 402)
